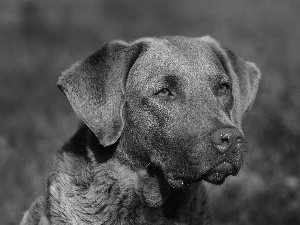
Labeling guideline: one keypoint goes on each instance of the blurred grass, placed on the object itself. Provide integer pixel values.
(39, 39)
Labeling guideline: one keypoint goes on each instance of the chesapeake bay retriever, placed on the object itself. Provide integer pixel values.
(159, 116)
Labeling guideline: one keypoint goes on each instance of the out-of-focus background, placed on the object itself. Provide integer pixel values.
(39, 39)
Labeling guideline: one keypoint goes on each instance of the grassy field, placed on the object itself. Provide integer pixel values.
(39, 39)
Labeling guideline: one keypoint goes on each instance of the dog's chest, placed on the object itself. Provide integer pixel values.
(108, 194)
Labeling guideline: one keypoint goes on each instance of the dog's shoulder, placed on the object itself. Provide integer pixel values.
(72, 152)
(87, 185)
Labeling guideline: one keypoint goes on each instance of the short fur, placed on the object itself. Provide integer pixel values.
(148, 110)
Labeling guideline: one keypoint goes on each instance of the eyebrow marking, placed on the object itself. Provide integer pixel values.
(172, 80)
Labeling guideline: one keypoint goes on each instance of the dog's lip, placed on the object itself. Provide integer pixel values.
(224, 166)
(221, 167)
(217, 174)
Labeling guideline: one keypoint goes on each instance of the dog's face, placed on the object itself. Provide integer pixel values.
(176, 92)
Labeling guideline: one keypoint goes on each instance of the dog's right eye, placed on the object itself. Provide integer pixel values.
(164, 92)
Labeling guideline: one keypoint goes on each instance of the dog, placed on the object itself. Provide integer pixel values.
(159, 117)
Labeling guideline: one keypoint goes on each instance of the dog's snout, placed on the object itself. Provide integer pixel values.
(225, 139)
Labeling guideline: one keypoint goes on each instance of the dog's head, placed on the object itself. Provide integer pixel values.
(174, 102)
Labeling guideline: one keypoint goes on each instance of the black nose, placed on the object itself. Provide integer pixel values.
(227, 138)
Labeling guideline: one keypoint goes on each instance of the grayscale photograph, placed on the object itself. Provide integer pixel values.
(149, 112)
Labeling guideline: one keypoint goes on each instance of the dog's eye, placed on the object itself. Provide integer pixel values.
(224, 86)
(164, 92)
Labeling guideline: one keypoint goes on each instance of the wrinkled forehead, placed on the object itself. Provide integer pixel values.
(190, 59)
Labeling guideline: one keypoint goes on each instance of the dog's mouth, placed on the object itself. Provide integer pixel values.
(218, 174)
(215, 175)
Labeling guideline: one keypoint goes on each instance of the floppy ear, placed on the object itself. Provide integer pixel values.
(95, 88)
(245, 78)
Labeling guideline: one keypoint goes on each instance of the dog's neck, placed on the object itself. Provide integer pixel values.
(105, 190)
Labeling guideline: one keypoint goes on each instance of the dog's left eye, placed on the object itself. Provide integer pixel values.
(224, 86)
(164, 92)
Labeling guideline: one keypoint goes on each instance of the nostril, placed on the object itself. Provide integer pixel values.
(225, 140)
(225, 143)
(222, 141)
